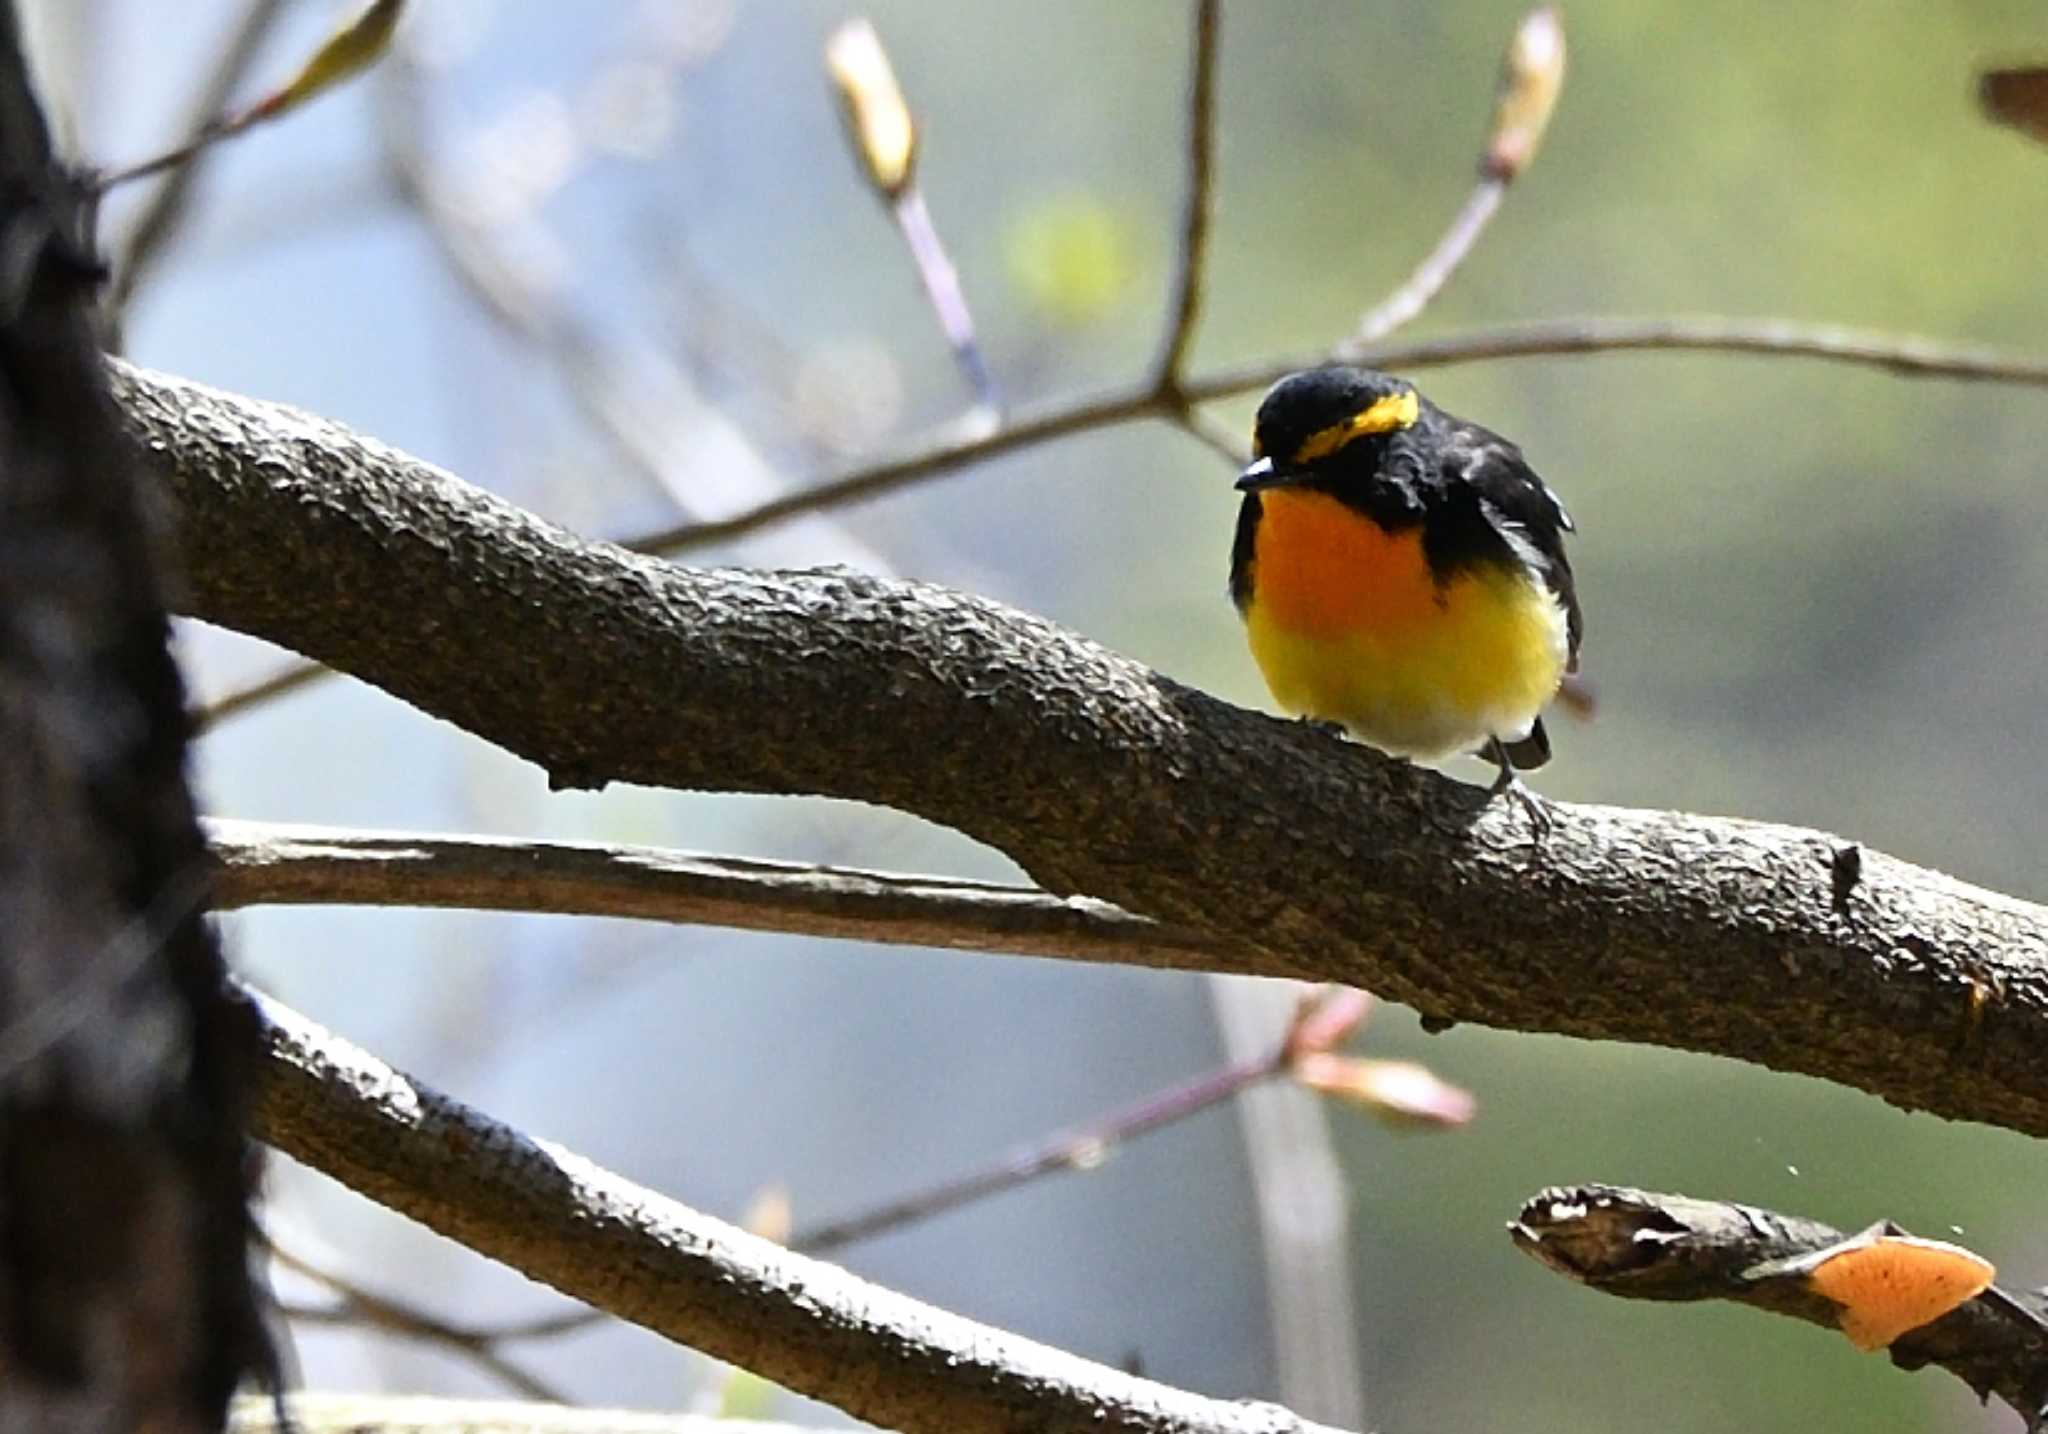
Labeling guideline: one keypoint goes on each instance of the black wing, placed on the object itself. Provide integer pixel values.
(1523, 504)
(1241, 548)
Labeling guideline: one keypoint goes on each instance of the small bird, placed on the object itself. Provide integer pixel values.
(1401, 573)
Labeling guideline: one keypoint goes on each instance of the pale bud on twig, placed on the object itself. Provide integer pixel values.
(878, 121)
(1531, 75)
(1398, 1092)
(1326, 1018)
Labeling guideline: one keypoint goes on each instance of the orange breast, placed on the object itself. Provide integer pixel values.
(1347, 625)
(1324, 570)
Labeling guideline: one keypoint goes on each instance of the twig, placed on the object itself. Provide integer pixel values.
(1081, 1149)
(1906, 355)
(1212, 434)
(499, 288)
(260, 863)
(287, 679)
(645, 436)
(360, 1306)
(942, 289)
(1430, 276)
(1184, 298)
(352, 1314)
(885, 141)
(153, 229)
(1641, 1245)
(950, 448)
(350, 49)
(804, 1324)
(1532, 73)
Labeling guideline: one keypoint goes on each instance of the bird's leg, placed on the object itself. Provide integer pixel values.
(1496, 752)
(1323, 725)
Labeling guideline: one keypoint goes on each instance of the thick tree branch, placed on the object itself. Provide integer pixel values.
(1305, 856)
(803, 1324)
(259, 864)
(1641, 1245)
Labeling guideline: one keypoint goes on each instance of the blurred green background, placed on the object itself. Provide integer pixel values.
(1814, 593)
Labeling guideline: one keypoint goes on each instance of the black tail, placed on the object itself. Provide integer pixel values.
(1531, 752)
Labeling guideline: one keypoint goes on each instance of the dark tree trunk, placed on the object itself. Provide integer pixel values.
(125, 1297)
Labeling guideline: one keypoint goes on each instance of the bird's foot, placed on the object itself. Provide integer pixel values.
(1513, 787)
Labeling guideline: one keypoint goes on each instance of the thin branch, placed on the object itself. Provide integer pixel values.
(508, 296)
(1212, 434)
(153, 229)
(1184, 298)
(953, 445)
(942, 290)
(884, 138)
(951, 448)
(1435, 271)
(320, 1413)
(345, 53)
(576, 355)
(647, 436)
(263, 864)
(808, 1326)
(1642, 1245)
(1300, 854)
(1906, 355)
(360, 1306)
(285, 680)
(1532, 73)
(1080, 1149)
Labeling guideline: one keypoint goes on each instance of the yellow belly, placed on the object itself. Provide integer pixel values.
(1347, 625)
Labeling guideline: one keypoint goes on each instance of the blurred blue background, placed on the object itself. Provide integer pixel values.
(1814, 593)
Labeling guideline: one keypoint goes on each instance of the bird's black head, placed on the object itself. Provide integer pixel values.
(1308, 419)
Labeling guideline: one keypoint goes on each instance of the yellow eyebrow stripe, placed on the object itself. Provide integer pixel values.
(1383, 416)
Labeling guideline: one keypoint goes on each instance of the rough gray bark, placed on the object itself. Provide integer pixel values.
(1314, 858)
(125, 1298)
(1306, 856)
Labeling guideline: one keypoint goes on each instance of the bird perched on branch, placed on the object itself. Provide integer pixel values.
(1401, 573)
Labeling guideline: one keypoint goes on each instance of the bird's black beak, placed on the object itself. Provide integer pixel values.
(1263, 473)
